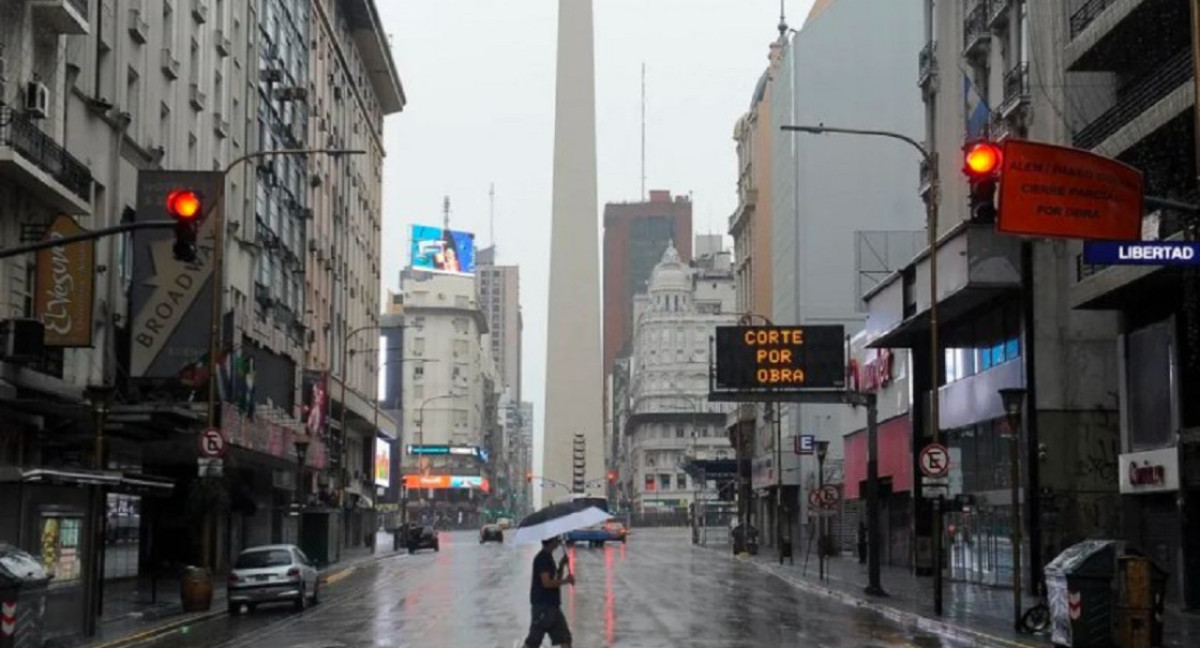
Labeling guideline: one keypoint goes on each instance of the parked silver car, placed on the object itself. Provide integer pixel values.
(270, 574)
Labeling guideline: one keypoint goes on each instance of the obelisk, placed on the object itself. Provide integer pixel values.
(573, 434)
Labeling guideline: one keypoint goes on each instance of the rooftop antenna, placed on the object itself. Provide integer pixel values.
(783, 26)
(446, 213)
(643, 131)
(492, 215)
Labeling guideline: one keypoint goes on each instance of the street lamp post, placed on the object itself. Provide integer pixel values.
(822, 450)
(931, 216)
(219, 256)
(1014, 405)
(421, 431)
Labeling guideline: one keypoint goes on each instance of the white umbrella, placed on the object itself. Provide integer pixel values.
(557, 519)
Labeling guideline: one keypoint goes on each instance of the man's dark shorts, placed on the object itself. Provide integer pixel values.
(548, 620)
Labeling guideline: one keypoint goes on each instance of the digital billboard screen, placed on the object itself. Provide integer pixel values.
(383, 463)
(440, 250)
(780, 358)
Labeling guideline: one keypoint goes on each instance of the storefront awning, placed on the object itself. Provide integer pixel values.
(115, 481)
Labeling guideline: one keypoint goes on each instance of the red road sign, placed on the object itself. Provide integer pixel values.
(1048, 190)
(935, 461)
(212, 443)
(814, 498)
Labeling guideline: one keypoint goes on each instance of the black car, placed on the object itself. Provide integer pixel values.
(422, 537)
(491, 533)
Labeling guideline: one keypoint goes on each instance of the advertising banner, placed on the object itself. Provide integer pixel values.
(383, 463)
(440, 250)
(65, 286)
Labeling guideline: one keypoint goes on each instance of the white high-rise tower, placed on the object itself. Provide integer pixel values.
(573, 429)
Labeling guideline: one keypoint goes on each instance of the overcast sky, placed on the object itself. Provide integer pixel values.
(479, 76)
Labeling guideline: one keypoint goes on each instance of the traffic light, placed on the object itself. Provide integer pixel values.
(528, 476)
(184, 207)
(185, 197)
(612, 476)
(981, 164)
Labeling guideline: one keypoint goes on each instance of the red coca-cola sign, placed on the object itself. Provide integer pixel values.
(1147, 475)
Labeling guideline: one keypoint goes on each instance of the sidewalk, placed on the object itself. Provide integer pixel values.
(129, 617)
(971, 612)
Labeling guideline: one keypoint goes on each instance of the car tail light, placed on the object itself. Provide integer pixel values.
(232, 579)
(294, 572)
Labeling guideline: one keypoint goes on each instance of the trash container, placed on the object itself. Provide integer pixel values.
(745, 540)
(22, 598)
(196, 589)
(1141, 586)
(1079, 590)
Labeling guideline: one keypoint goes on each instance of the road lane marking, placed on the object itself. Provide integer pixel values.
(337, 576)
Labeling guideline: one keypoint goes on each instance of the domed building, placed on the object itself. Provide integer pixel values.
(670, 420)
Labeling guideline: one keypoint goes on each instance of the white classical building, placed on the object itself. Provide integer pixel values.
(670, 420)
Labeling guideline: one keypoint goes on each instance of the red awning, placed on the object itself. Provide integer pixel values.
(895, 456)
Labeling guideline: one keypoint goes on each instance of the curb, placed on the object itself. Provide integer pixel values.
(152, 633)
(921, 622)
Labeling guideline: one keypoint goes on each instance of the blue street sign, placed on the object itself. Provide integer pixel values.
(806, 444)
(1160, 253)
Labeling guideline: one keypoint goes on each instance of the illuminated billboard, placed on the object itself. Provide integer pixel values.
(468, 451)
(443, 482)
(383, 463)
(439, 250)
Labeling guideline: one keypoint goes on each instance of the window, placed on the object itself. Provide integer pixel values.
(679, 432)
(681, 480)
(665, 480)
(649, 482)
(418, 346)
(418, 371)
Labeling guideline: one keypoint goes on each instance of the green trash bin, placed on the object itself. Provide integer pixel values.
(22, 598)
(1079, 590)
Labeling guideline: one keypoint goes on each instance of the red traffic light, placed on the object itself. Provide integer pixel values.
(982, 159)
(528, 476)
(183, 204)
(612, 476)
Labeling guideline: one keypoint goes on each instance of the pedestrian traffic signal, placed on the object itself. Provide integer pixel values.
(982, 165)
(186, 197)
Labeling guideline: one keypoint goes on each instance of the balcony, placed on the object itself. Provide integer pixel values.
(139, 29)
(1162, 81)
(198, 99)
(1086, 14)
(223, 43)
(977, 38)
(999, 127)
(927, 64)
(170, 64)
(63, 16)
(33, 160)
(220, 126)
(998, 12)
(200, 11)
(1016, 89)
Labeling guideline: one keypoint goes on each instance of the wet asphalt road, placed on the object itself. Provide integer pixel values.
(658, 590)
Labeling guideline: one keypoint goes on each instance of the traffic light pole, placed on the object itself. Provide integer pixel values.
(85, 236)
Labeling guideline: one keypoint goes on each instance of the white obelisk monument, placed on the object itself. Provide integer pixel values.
(573, 434)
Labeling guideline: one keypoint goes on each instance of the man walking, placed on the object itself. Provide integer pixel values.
(546, 599)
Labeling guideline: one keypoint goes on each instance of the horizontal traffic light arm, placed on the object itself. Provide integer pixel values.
(86, 236)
